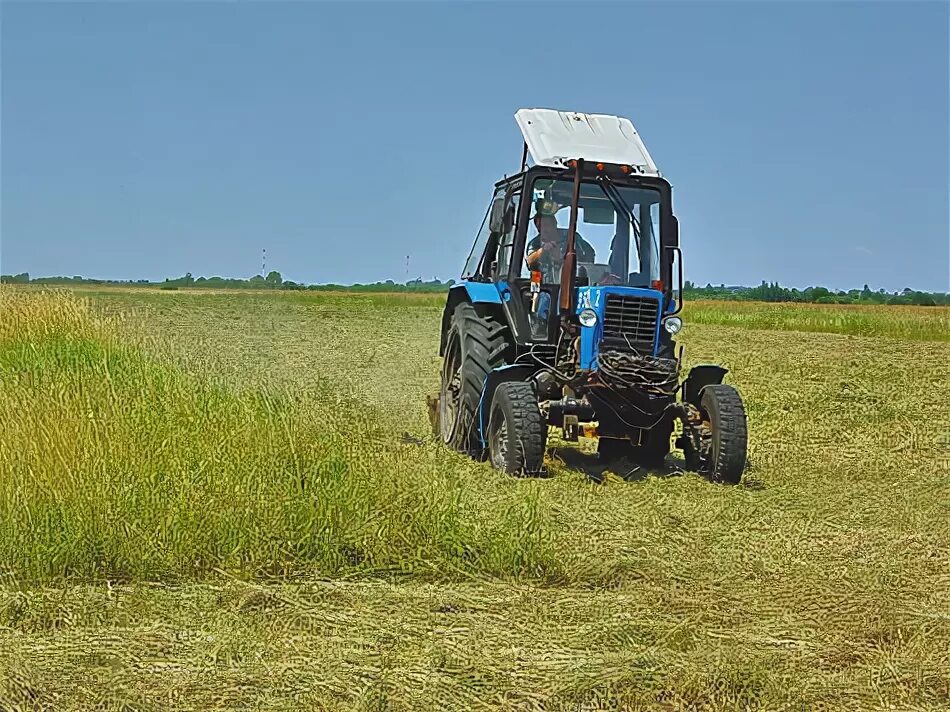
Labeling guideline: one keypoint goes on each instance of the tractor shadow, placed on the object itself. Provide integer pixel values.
(627, 468)
(632, 471)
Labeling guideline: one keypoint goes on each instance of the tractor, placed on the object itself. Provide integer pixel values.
(567, 310)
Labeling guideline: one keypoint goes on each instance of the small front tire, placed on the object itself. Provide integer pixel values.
(722, 405)
(517, 433)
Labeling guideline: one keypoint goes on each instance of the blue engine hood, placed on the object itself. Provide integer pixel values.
(596, 298)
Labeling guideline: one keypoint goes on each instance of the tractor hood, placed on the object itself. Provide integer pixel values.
(630, 314)
(555, 137)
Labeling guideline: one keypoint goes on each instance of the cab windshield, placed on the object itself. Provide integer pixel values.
(618, 233)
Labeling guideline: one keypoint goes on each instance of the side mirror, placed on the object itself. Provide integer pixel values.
(496, 220)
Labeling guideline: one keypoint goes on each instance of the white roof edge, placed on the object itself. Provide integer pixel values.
(555, 137)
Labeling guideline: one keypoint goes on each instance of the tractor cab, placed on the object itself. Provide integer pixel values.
(568, 294)
(624, 238)
(622, 245)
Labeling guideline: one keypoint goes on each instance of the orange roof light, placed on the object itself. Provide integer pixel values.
(572, 163)
(600, 166)
(657, 285)
(624, 169)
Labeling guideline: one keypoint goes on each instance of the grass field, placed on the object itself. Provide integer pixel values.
(206, 503)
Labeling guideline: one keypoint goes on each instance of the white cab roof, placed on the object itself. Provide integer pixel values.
(555, 137)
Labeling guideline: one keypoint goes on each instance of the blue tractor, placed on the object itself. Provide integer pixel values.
(566, 313)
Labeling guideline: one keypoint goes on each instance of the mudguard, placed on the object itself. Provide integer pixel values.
(484, 292)
(700, 376)
(473, 292)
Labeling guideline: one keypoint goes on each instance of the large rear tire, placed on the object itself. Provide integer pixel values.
(517, 433)
(727, 420)
(475, 345)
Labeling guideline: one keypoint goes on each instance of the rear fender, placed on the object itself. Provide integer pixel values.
(502, 374)
(700, 376)
(481, 294)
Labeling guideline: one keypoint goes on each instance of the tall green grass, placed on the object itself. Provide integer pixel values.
(899, 322)
(116, 465)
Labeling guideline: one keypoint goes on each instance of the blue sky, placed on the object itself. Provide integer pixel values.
(806, 142)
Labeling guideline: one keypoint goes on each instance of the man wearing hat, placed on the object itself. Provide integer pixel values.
(546, 251)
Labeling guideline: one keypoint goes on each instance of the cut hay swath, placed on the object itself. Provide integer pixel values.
(207, 505)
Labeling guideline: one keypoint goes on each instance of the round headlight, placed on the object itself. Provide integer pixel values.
(673, 324)
(587, 317)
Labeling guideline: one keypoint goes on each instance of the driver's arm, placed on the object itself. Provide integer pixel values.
(536, 250)
(534, 257)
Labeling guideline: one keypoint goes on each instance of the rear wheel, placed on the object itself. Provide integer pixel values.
(517, 433)
(474, 346)
(722, 405)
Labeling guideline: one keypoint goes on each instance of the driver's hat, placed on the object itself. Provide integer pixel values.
(544, 206)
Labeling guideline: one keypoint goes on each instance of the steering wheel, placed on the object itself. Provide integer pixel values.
(610, 280)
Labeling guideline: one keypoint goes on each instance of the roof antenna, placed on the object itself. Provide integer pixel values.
(524, 157)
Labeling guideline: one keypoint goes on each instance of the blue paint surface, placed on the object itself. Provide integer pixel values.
(596, 298)
(482, 291)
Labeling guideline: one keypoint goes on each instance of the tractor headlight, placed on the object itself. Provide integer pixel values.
(587, 317)
(672, 324)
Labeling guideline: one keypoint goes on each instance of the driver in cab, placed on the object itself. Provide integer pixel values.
(547, 249)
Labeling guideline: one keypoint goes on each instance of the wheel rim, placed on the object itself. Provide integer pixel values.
(715, 449)
(451, 395)
(498, 443)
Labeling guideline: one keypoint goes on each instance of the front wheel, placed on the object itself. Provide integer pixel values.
(517, 433)
(722, 406)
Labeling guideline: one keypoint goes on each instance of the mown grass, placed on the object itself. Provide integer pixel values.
(821, 584)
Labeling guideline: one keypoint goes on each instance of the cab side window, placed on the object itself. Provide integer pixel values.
(507, 240)
(481, 240)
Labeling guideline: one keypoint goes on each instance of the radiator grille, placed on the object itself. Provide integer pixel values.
(630, 322)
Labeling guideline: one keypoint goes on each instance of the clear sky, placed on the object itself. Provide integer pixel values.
(806, 142)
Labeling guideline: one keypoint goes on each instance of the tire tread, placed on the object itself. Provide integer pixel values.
(724, 406)
(518, 401)
(483, 343)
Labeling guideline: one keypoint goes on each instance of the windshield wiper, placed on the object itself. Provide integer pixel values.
(616, 197)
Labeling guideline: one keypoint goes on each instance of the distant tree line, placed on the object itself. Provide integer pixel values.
(273, 280)
(765, 292)
(773, 292)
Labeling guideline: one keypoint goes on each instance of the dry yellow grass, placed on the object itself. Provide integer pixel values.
(824, 583)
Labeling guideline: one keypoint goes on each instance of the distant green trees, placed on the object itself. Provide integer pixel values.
(765, 292)
(773, 292)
